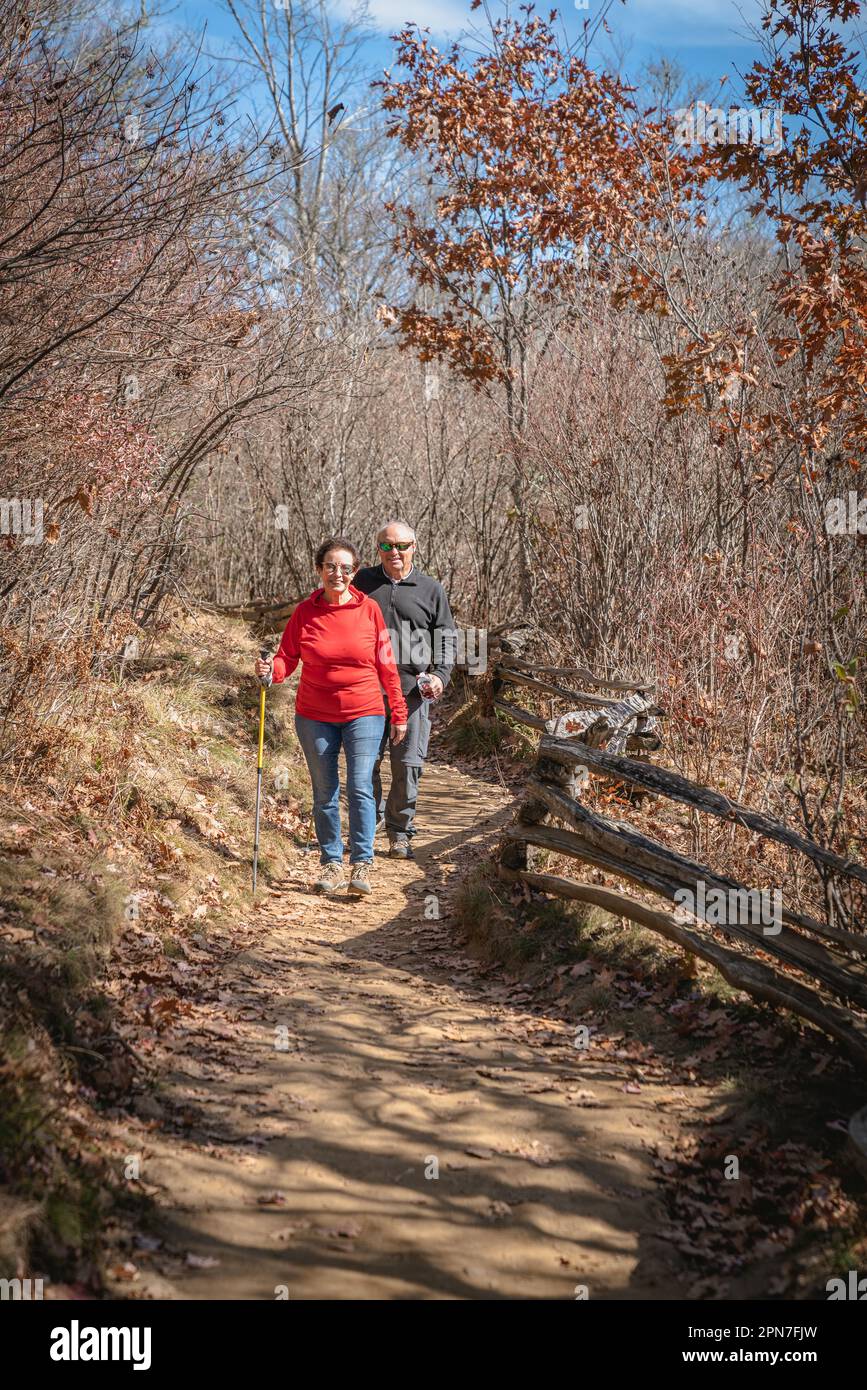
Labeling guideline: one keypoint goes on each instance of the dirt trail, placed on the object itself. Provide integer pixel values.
(398, 1049)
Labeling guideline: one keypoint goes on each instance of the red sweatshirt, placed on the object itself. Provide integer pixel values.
(346, 658)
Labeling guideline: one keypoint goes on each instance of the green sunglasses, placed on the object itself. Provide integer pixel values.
(395, 545)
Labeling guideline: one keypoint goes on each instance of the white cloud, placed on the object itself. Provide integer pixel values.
(440, 16)
(683, 22)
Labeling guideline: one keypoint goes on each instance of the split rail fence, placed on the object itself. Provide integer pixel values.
(811, 967)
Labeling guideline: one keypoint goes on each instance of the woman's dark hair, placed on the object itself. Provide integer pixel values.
(336, 543)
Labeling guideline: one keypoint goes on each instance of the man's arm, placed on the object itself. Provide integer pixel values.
(445, 638)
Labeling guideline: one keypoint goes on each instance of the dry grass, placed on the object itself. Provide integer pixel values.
(127, 809)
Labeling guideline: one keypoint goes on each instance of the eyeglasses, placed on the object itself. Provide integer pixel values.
(339, 569)
(396, 545)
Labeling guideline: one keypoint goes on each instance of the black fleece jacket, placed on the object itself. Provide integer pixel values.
(419, 621)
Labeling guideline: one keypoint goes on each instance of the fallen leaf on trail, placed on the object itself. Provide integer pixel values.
(476, 1151)
(165, 1011)
(534, 1152)
(631, 1087)
(498, 1210)
(584, 1098)
(345, 1230)
(271, 1199)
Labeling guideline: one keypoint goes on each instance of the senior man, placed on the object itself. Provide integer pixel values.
(424, 640)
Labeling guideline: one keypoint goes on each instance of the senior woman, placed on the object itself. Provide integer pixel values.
(339, 636)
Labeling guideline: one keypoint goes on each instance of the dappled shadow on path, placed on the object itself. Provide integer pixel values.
(419, 1134)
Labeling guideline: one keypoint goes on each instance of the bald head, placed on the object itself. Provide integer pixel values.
(396, 562)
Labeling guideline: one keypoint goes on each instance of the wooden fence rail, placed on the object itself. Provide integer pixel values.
(814, 968)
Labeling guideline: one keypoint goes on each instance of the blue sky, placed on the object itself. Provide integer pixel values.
(708, 38)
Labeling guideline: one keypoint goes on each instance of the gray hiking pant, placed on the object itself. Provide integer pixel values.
(407, 765)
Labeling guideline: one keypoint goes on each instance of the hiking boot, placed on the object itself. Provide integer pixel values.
(330, 877)
(399, 847)
(359, 879)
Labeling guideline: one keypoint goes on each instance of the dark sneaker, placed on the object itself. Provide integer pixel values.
(330, 877)
(399, 847)
(359, 879)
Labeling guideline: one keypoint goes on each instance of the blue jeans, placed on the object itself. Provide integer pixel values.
(321, 743)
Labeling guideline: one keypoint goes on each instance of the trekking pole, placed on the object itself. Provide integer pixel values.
(264, 655)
